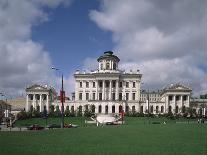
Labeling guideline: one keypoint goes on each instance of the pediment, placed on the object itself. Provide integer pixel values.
(36, 87)
(178, 87)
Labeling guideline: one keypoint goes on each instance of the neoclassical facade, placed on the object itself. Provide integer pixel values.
(39, 97)
(111, 90)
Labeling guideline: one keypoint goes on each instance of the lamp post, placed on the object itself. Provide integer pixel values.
(148, 109)
(62, 96)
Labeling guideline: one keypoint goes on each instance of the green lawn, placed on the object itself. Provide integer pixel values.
(137, 136)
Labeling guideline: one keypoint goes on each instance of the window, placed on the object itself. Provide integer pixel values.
(99, 109)
(107, 66)
(185, 98)
(120, 84)
(170, 98)
(141, 109)
(94, 96)
(100, 96)
(87, 84)
(114, 66)
(106, 109)
(151, 109)
(114, 84)
(134, 84)
(133, 109)
(81, 84)
(100, 84)
(127, 108)
(169, 109)
(101, 66)
(162, 109)
(127, 84)
(120, 109)
(94, 84)
(133, 96)
(176, 109)
(157, 109)
(93, 108)
(107, 84)
(80, 96)
(87, 96)
(113, 109)
(177, 98)
(113, 96)
(120, 96)
(127, 96)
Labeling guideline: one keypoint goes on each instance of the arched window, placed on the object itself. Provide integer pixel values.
(113, 109)
(107, 66)
(101, 66)
(120, 109)
(106, 109)
(99, 109)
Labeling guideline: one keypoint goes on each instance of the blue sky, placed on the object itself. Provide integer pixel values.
(70, 36)
(165, 41)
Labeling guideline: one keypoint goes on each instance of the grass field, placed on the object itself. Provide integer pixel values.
(137, 136)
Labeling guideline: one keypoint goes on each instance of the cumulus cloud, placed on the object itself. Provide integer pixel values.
(165, 39)
(23, 61)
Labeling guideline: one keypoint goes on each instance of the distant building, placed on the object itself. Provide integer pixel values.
(39, 97)
(3, 107)
(111, 90)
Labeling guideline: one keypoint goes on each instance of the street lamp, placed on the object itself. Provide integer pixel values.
(62, 97)
(148, 109)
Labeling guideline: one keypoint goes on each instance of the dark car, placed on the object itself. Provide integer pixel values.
(52, 126)
(35, 127)
(70, 126)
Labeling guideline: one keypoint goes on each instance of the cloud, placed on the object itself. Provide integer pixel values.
(165, 39)
(23, 61)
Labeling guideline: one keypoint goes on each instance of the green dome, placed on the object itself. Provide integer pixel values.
(108, 55)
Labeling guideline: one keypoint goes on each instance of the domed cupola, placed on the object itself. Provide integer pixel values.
(108, 61)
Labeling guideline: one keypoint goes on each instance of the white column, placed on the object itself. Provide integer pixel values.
(97, 90)
(166, 108)
(117, 90)
(33, 102)
(174, 104)
(103, 90)
(181, 100)
(116, 108)
(110, 93)
(40, 103)
(47, 104)
(27, 104)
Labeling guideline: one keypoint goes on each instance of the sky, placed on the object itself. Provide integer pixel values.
(164, 39)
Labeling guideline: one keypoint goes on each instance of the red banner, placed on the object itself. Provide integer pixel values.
(62, 96)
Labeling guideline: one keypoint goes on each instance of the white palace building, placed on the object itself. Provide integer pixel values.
(109, 90)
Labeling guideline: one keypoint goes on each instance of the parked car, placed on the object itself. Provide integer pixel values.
(52, 126)
(70, 126)
(35, 127)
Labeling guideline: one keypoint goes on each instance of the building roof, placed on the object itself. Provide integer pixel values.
(17, 103)
(108, 55)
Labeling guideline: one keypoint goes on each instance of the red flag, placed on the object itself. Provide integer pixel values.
(62, 96)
